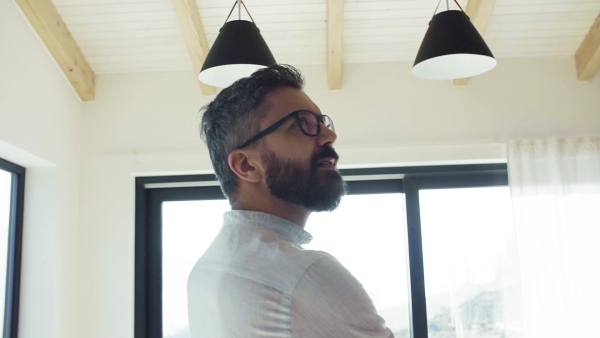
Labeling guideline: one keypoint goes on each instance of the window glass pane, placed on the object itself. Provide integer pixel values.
(188, 229)
(470, 262)
(367, 235)
(5, 194)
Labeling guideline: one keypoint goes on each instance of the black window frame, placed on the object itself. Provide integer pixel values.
(152, 191)
(15, 242)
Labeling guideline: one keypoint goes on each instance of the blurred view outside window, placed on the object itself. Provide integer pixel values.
(470, 261)
(366, 234)
(471, 277)
(188, 229)
(5, 203)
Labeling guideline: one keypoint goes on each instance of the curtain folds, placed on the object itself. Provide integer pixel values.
(555, 189)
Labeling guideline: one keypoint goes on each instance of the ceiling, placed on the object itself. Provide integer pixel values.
(123, 36)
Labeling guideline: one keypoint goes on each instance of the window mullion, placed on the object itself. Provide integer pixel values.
(417, 299)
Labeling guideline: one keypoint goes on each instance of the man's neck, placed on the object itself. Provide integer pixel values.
(274, 206)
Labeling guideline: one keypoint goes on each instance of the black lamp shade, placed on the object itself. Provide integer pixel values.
(452, 49)
(238, 51)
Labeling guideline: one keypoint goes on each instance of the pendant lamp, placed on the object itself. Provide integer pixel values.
(238, 51)
(452, 49)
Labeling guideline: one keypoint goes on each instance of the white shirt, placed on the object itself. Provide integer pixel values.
(255, 280)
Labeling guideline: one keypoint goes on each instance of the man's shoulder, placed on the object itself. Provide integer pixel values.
(278, 264)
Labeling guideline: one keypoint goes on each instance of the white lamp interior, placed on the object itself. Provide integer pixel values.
(454, 66)
(224, 76)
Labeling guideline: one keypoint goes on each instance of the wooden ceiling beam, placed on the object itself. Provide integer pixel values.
(195, 39)
(479, 11)
(335, 20)
(587, 57)
(50, 27)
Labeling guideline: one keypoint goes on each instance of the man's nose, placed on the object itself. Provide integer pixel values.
(327, 136)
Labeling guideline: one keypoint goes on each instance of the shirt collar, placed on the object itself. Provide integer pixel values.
(282, 226)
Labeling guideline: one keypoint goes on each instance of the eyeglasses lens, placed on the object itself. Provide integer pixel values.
(328, 123)
(310, 122)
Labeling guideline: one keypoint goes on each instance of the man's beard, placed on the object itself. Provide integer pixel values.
(292, 182)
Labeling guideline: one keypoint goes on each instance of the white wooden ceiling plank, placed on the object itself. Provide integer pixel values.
(118, 8)
(383, 47)
(121, 17)
(374, 32)
(525, 26)
(282, 41)
(260, 20)
(534, 41)
(257, 11)
(124, 26)
(363, 6)
(156, 57)
(378, 59)
(548, 8)
(430, 3)
(106, 52)
(307, 42)
(283, 27)
(535, 51)
(127, 34)
(424, 14)
(60, 3)
(366, 42)
(300, 34)
(378, 56)
(105, 69)
(542, 17)
(286, 26)
(541, 2)
(227, 4)
(297, 50)
(86, 45)
(554, 33)
(569, 42)
(301, 59)
(386, 23)
(278, 26)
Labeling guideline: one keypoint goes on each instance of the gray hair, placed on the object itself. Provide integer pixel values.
(234, 115)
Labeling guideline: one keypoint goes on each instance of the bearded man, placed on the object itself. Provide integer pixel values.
(272, 151)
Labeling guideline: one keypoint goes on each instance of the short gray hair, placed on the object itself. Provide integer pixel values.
(234, 115)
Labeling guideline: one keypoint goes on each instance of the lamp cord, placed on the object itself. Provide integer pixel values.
(237, 2)
(436, 7)
(459, 6)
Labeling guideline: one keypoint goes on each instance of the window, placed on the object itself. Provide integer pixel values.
(12, 186)
(410, 221)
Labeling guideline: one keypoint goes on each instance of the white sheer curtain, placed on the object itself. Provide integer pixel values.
(555, 188)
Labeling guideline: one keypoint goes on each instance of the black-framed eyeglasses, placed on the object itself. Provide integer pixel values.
(309, 122)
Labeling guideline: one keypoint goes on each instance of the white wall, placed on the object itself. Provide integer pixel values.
(146, 124)
(40, 118)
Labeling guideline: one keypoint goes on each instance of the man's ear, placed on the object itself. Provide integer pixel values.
(243, 165)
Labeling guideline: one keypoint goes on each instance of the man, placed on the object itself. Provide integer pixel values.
(272, 151)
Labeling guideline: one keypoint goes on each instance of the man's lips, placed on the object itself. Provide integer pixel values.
(326, 162)
(327, 159)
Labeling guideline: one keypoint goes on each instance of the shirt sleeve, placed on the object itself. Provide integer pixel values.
(329, 302)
